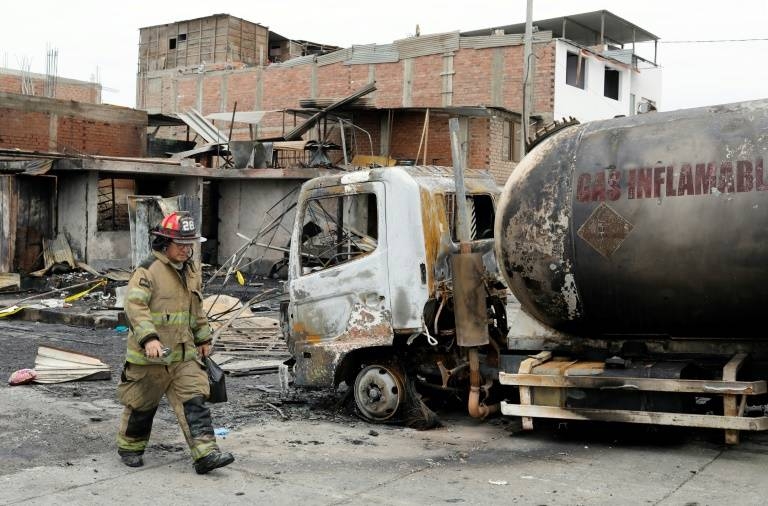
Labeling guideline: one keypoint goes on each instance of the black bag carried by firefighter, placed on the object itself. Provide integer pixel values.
(216, 381)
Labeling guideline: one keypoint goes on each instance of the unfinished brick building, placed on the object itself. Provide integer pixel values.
(41, 85)
(47, 124)
(581, 68)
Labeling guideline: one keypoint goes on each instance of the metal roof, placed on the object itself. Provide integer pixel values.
(584, 28)
(154, 120)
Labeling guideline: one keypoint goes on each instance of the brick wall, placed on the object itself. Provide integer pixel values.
(45, 124)
(472, 78)
(499, 168)
(276, 88)
(426, 81)
(24, 129)
(283, 87)
(66, 89)
(186, 95)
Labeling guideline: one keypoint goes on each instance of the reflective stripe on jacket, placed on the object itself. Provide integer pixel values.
(164, 302)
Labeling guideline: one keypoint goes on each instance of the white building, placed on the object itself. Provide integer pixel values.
(598, 72)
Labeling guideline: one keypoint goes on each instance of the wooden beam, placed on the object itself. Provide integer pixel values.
(635, 384)
(730, 408)
(646, 417)
(525, 392)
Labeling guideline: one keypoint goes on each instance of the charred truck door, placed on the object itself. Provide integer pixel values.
(339, 286)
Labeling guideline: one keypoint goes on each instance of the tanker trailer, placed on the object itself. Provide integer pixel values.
(640, 246)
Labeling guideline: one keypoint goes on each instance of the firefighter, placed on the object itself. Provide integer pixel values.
(169, 335)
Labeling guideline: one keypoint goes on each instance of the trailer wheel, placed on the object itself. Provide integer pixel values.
(379, 392)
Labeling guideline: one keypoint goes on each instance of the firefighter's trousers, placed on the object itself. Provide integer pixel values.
(140, 390)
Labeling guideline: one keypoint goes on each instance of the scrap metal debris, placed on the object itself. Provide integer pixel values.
(56, 252)
(57, 365)
(245, 344)
(24, 303)
(9, 280)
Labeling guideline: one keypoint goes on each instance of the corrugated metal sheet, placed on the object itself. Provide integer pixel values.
(622, 55)
(301, 60)
(202, 126)
(38, 167)
(427, 44)
(57, 251)
(373, 53)
(334, 57)
(510, 39)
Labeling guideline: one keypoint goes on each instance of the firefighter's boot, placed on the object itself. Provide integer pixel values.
(132, 459)
(213, 461)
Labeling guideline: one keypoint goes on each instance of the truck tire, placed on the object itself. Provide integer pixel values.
(384, 394)
(379, 392)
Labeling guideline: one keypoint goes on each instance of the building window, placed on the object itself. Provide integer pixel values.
(575, 70)
(337, 230)
(182, 37)
(113, 203)
(172, 43)
(611, 83)
(510, 144)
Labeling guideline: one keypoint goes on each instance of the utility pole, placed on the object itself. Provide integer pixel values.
(527, 85)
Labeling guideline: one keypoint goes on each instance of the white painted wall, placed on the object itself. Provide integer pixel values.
(111, 245)
(72, 203)
(590, 104)
(78, 217)
(647, 84)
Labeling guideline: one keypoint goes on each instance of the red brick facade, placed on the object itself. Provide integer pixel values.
(66, 89)
(481, 77)
(45, 124)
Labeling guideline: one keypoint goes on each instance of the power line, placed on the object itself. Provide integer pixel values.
(709, 41)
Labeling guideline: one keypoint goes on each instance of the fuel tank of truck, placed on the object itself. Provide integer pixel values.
(654, 224)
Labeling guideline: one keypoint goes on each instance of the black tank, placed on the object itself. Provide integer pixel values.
(650, 224)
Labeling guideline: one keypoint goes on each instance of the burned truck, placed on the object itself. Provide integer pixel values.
(620, 276)
(370, 284)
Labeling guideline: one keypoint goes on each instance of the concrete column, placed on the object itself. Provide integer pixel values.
(53, 132)
(224, 92)
(175, 95)
(313, 82)
(407, 81)
(199, 101)
(497, 77)
(447, 75)
(386, 132)
(259, 99)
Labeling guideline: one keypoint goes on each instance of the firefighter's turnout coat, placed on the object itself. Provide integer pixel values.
(165, 302)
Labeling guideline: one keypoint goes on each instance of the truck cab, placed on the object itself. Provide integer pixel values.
(370, 281)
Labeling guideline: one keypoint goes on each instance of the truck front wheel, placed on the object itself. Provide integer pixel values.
(379, 392)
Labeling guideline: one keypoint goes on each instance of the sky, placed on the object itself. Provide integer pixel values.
(99, 40)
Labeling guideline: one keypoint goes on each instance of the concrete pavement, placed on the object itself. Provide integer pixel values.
(315, 462)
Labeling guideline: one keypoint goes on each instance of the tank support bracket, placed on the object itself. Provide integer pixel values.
(734, 397)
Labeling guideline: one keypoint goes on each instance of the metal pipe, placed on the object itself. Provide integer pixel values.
(474, 406)
(343, 142)
(462, 217)
(527, 88)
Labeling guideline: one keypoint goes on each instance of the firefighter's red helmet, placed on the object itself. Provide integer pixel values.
(179, 227)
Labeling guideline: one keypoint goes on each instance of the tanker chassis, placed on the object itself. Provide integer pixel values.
(620, 276)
